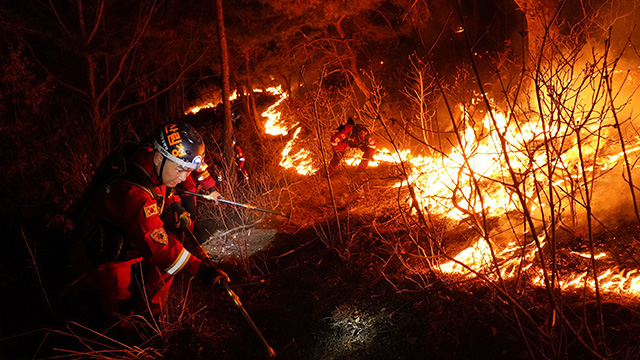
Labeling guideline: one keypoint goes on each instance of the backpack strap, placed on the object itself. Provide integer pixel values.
(103, 240)
(139, 177)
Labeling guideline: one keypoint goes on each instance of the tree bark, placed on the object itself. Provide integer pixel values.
(539, 17)
(352, 66)
(227, 129)
(253, 110)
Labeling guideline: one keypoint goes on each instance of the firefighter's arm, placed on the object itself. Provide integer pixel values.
(204, 178)
(148, 234)
(340, 136)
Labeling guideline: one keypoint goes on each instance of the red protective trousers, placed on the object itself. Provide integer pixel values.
(133, 287)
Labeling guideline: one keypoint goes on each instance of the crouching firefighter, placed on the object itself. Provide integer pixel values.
(352, 135)
(118, 218)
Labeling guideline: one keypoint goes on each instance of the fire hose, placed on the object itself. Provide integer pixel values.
(204, 256)
(209, 197)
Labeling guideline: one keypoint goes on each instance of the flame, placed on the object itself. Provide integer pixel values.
(195, 109)
(477, 259)
(300, 161)
(274, 124)
(473, 176)
(446, 186)
(517, 259)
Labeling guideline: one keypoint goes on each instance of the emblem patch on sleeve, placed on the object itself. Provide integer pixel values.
(159, 236)
(150, 210)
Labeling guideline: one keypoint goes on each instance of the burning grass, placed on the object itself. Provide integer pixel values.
(514, 223)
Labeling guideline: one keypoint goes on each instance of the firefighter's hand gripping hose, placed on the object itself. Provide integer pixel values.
(212, 275)
(219, 277)
(180, 216)
(218, 199)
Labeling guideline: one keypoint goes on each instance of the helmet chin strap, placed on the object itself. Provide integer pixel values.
(164, 160)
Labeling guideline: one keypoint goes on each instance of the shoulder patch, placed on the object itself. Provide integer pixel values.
(150, 210)
(160, 236)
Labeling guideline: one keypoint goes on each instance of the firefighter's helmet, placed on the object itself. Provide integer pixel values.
(180, 143)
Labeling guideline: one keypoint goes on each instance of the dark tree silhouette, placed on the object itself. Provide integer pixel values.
(227, 146)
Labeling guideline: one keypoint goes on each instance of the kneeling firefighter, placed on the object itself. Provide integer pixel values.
(352, 135)
(119, 222)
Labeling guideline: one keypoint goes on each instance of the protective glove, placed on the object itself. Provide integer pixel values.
(211, 275)
(180, 216)
(214, 195)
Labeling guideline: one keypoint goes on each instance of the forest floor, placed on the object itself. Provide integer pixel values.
(316, 292)
(315, 295)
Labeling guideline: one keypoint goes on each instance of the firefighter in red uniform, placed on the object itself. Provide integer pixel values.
(185, 212)
(355, 136)
(242, 172)
(128, 209)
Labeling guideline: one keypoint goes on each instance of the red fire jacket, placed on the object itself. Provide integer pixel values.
(203, 178)
(239, 156)
(133, 209)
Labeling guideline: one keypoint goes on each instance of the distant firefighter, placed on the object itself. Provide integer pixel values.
(242, 172)
(352, 135)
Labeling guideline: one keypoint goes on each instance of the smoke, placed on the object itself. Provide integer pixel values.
(616, 37)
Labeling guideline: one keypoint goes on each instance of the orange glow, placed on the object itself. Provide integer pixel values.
(209, 105)
(446, 185)
(274, 124)
(300, 161)
(478, 175)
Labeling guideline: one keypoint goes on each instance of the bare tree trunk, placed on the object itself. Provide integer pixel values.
(227, 129)
(243, 95)
(253, 110)
(100, 125)
(539, 15)
(352, 67)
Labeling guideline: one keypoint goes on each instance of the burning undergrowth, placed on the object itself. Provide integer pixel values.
(419, 289)
(522, 212)
(520, 205)
(370, 287)
(512, 237)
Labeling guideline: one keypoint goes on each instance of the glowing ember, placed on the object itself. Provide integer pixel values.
(588, 256)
